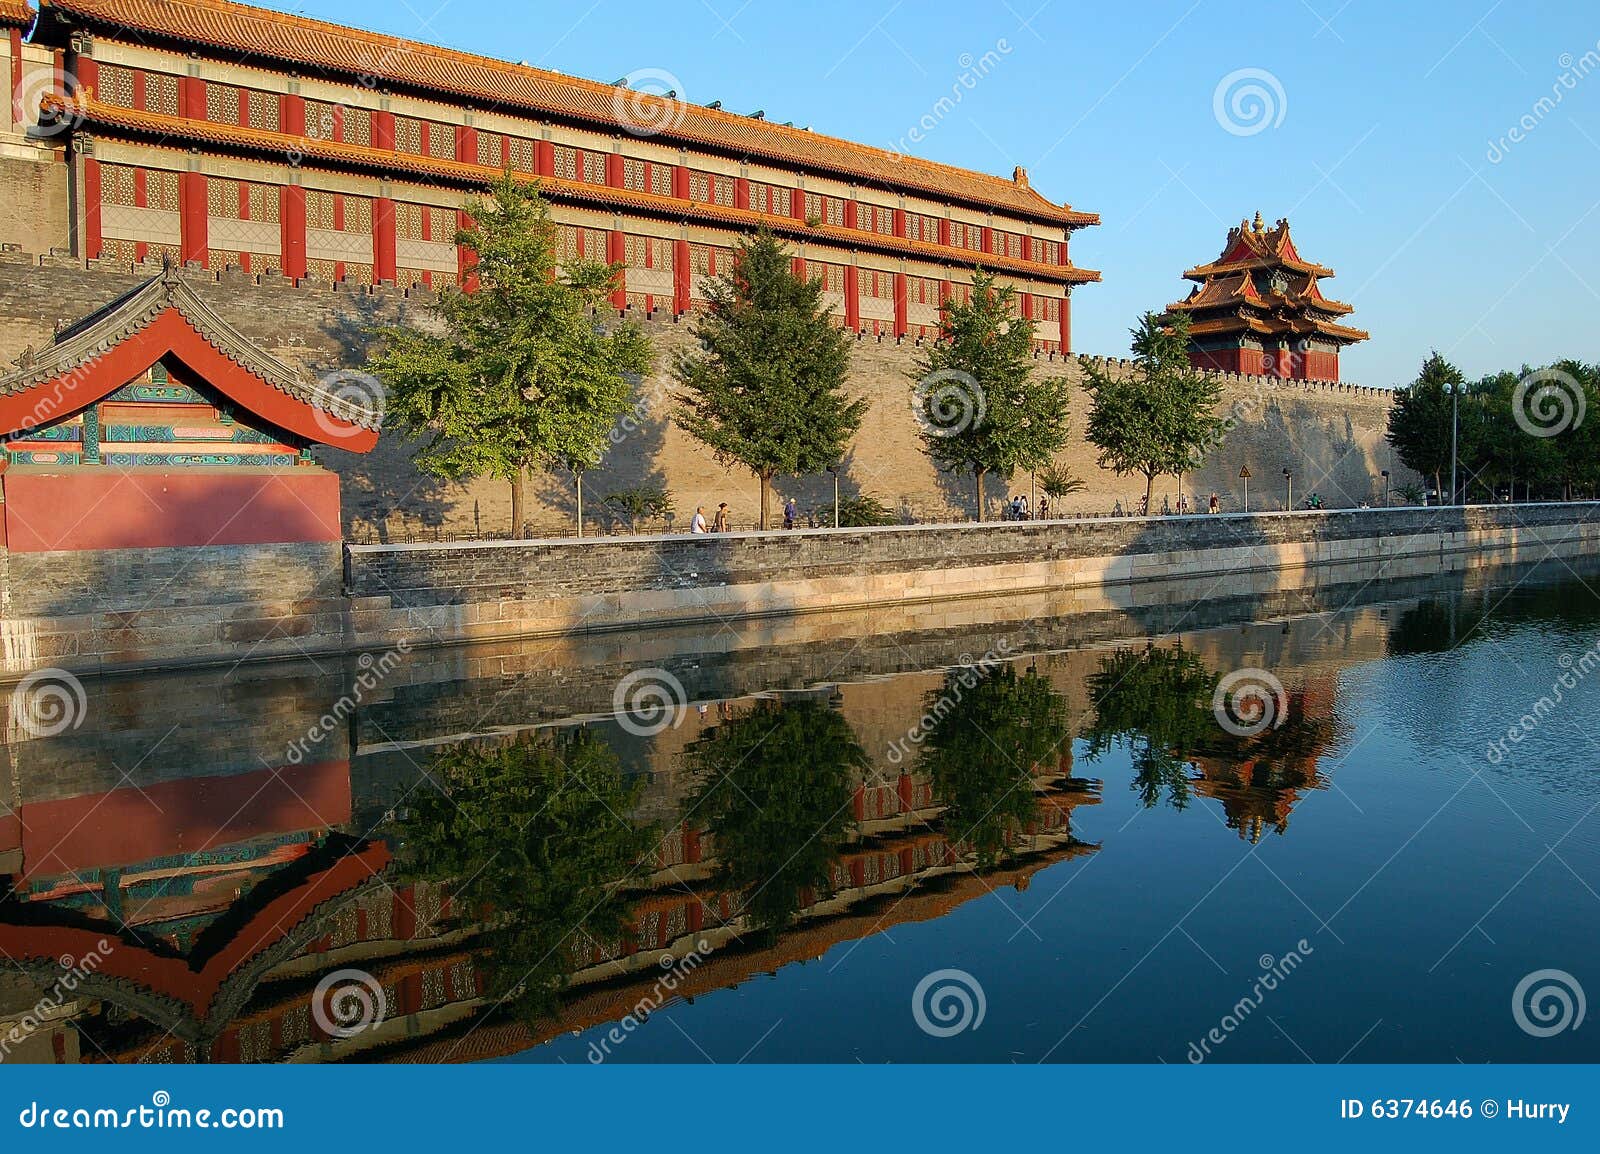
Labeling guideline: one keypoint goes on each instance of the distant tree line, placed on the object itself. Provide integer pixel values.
(1530, 434)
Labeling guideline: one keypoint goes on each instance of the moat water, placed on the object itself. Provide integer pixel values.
(1350, 823)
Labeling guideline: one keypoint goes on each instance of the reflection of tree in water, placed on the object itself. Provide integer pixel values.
(534, 839)
(991, 728)
(1453, 619)
(1158, 704)
(774, 792)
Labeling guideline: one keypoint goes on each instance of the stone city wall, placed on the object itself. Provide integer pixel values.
(1329, 435)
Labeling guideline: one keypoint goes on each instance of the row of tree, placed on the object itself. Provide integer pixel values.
(1525, 434)
(519, 378)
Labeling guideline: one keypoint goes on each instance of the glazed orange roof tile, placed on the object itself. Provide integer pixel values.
(348, 52)
(15, 14)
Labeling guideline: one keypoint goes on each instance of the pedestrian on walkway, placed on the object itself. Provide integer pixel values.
(720, 525)
(790, 510)
(698, 525)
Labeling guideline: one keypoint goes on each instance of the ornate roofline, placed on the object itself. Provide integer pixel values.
(94, 112)
(277, 36)
(16, 14)
(74, 352)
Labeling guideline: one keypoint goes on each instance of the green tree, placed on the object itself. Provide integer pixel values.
(1157, 418)
(519, 377)
(980, 406)
(991, 728)
(774, 791)
(1420, 420)
(533, 841)
(1156, 703)
(766, 387)
(640, 504)
(1057, 482)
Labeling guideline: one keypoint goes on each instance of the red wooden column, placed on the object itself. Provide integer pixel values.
(18, 113)
(1066, 322)
(466, 144)
(383, 130)
(944, 232)
(614, 176)
(852, 298)
(741, 193)
(800, 268)
(987, 239)
(544, 158)
(292, 111)
(93, 237)
(192, 218)
(850, 214)
(900, 310)
(383, 239)
(191, 97)
(680, 182)
(292, 228)
(681, 294)
(464, 274)
(797, 204)
(900, 223)
(616, 253)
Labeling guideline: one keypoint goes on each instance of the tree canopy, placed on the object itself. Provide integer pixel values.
(1155, 419)
(980, 406)
(520, 376)
(766, 387)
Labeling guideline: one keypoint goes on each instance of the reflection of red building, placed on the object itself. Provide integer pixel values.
(1258, 308)
(153, 422)
(1261, 788)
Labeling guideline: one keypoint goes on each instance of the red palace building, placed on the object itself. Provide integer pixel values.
(231, 136)
(1258, 309)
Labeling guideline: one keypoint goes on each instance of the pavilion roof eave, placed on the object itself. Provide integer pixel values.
(73, 353)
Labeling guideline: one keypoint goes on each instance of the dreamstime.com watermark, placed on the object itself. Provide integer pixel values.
(1248, 101)
(160, 1114)
(1548, 1002)
(348, 1002)
(1573, 672)
(948, 402)
(649, 701)
(47, 1008)
(1249, 701)
(373, 672)
(1548, 402)
(948, 1002)
(968, 674)
(677, 972)
(48, 702)
(973, 70)
(649, 101)
(1573, 70)
(1274, 971)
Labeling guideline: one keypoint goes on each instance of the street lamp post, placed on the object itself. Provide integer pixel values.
(1386, 488)
(1288, 486)
(1455, 425)
(834, 469)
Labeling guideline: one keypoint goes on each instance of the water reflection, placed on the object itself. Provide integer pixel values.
(503, 880)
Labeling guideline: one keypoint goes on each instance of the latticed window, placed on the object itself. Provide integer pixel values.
(1047, 308)
(222, 198)
(263, 200)
(633, 174)
(831, 276)
(594, 168)
(116, 85)
(567, 240)
(770, 199)
(265, 111)
(722, 190)
(357, 126)
(441, 141)
(661, 253)
(875, 218)
(595, 243)
(217, 258)
(921, 290)
(701, 260)
(491, 146)
(1010, 244)
(357, 214)
(1052, 252)
(877, 284)
(117, 184)
(222, 103)
(161, 190)
(834, 213)
(699, 187)
(321, 269)
(161, 93)
(521, 154)
(358, 273)
(442, 224)
(319, 209)
(408, 221)
(661, 179)
(319, 120)
(566, 162)
(408, 135)
(636, 251)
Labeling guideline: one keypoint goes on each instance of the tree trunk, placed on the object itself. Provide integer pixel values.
(1438, 486)
(1149, 491)
(517, 483)
(578, 480)
(766, 485)
(977, 476)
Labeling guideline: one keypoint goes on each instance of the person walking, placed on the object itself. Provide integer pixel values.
(698, 525)
(1216, 506)
(790, 510)
(1044, 508)
(720, 525)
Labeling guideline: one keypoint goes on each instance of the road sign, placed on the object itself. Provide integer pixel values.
(1244, 473)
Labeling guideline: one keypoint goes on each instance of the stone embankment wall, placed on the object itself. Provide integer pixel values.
(112, 610)
(1329, 436)
(445, 594)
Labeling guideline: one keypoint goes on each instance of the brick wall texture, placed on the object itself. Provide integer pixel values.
(1330, 436)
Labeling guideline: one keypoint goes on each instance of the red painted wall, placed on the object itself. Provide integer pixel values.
(135, 509)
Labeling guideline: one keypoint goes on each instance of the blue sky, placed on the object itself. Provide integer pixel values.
(1376, 145)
